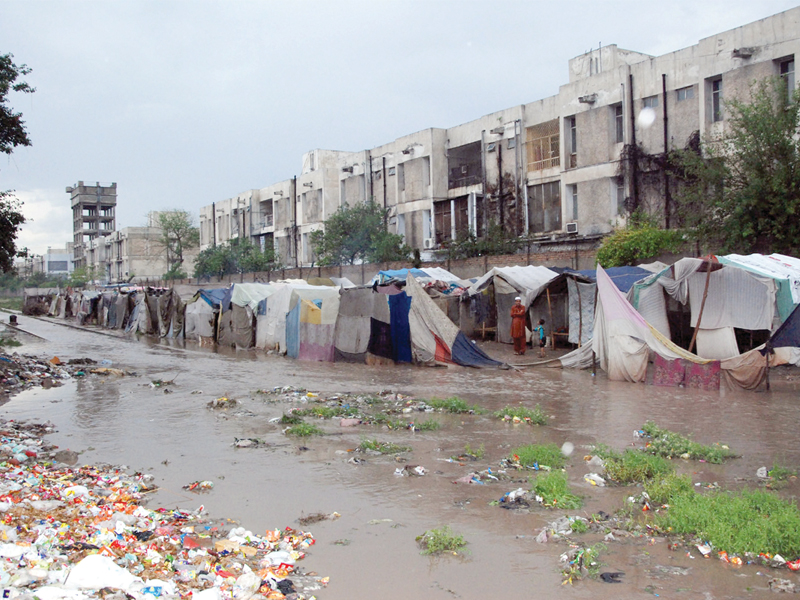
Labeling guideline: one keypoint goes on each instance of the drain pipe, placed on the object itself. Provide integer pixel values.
(634, 160)
(667, 198)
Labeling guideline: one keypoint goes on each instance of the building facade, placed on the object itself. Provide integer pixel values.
(93, 215)
(569, 167)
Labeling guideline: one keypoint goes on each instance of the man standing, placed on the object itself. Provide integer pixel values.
(518, 326)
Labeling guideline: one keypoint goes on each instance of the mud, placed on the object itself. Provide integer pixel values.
(369, 551)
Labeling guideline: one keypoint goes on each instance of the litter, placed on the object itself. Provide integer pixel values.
(594, 479)
(199, 486)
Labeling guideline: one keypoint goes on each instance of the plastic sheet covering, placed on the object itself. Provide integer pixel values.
(242, 326)
(225, 335)
(785, 270)
(250, 294)
(357, 306)
(736, 298)
(528, 281)
(580, 358)
(293, 332)
(788, 334)
(199, 320)
(399, 307)
(581, 311)
(717, 343)
(315, 337)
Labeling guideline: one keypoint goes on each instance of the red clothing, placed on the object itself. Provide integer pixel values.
(518, 327)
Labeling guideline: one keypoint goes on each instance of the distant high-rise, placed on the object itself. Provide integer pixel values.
(93, 215)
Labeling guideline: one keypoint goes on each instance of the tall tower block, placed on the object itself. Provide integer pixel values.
(93, 215)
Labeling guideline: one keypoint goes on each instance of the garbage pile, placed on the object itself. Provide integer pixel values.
(79, 533)
(22, 371)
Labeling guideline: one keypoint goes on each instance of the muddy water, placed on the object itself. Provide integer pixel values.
(177, 439)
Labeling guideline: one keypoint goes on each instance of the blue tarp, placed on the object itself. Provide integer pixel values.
(467, 354)
(787, 335)
(400, 274)
(399, 306)
(623, 277)
(293, 332)
(219, 297)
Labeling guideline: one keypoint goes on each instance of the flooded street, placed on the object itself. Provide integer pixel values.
(179, 440)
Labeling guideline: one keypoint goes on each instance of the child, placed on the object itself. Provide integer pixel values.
(542, 339)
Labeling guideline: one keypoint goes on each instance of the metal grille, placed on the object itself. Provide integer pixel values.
(543, 146)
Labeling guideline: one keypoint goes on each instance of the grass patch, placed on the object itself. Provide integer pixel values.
(326, 412)
(633, 466)
(554, 490)
(535, 416)
(779, 473)
(11, 303)
(538, 455)
(291, 419)
(478, 453)
(429, 425)
(304, 430)
(748, 521)
(382, 447)
(9, 342)
(579, 526)
(454, 405)
(670, 444)
(664, 488)
(437, 541)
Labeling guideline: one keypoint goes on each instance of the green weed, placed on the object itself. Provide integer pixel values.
(583, 561)
(534, 416)
(663, 488)
(633, 466)
(304, 430)
(579, 526)
(11, 303)
(670, 444)
(382, 447)
(9, 342)
(454, 405)
(543, 455)
(436, 541)
(478, 453)
(429, 425)
(779, 473)
(291, 419)
(748, 521)
(554, 490)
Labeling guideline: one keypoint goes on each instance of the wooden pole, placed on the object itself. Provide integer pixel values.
(769, 350)
(550, 311)
(580, 313)
(702, 306)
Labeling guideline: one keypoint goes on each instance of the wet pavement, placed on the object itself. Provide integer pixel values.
(370, 551)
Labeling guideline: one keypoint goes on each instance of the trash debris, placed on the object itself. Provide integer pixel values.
(417, 470)
(594, 479)
(762, 473)
(611, 577)
(317, 517)
(248, 443)
(782, 585)
(199, 486)
(223, 402)
(108, 371)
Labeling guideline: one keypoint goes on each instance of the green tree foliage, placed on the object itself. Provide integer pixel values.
(178, 233)
(81, 276)
(356, 233)
(496, 241)
(742, 190)
(240, 255)
(639, 241)
(12, 134)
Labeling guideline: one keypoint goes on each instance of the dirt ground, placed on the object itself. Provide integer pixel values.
(370, 551)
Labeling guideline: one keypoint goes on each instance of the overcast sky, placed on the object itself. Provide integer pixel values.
(184, 103)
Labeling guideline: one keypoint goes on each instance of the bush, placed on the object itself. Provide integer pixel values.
(436, 541)
(543, 455)
(630, 246)
(553, 489)
(633, 466)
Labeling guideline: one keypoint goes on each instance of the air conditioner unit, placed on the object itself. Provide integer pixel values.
(427, 243)
(572, 228)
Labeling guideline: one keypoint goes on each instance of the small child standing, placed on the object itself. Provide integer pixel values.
(542, 339)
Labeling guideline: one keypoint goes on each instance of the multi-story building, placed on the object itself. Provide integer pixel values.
(569, 167)
(93, 215)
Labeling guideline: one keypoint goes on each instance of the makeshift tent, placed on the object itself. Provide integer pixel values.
(719, 299)
(433, 273)
(311, 322)
(509, 282)
(785, 270)
(272, 330)
(624, 341)
(236, 325)
(434, 337)
(787, 335)
(362, 312)
(200, 319)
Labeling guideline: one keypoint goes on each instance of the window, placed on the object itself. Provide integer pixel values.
(619, 125)
(401, 177)
(543, 143)
(686, 93)
(401, 225)
(512, 143)
(572, 136)
(650, 102)
(619, 195)
(544, 207)
(716, 100)
(787, 74)
(572, 190)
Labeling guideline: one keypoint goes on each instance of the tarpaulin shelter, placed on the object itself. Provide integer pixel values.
(433, 336)
(272, 331)
(393, 275)
(719, 299)
(785, 270)
(363, 326)
(200, 314)
(624, 342)
(526, 282)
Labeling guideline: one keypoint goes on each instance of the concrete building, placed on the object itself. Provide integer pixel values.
(93, 215)
(563, 169)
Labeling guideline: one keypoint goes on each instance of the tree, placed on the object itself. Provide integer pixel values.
(358, 233)
(12, 134)
(178, 233)
(742, 190)
(240, 255)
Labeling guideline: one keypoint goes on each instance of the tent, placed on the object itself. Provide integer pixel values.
(399, 275)
(785, 270)
(362, 326)
(239, 307)
(624, 342)
(526, 282)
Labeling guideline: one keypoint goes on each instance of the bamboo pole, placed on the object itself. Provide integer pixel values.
(702, 306)
(580, 313)
(550, 312)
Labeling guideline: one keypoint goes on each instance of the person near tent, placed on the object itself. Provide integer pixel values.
(518, 326)
(542, 339)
